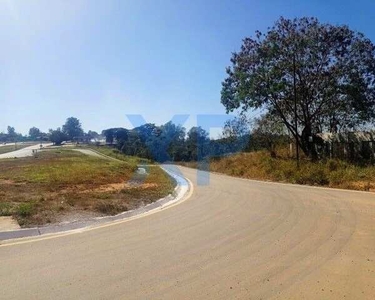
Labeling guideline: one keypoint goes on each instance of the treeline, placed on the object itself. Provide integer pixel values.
(12, 136)
(168, 142)
(70, 131)
(171, 142)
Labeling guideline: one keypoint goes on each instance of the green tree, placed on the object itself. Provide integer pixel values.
(109, 135)
(166, 142)
(269, 132)
(11, 134)
(197, 143)
(236, 127)
(72, 128)
(3, 137)
(57, 136)
(333, 69)
(92, 134)
(34, 133)
(235, 135)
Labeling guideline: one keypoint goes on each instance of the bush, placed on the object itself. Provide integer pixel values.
(332, 165)
(108, 208)
(313, 175)
(260, 165)
(5, 209)
(25, 209)
(287, 172)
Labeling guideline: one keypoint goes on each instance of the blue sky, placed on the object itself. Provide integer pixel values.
(101, 60)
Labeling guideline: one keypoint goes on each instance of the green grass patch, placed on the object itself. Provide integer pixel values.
(65, 167)
(25, 210)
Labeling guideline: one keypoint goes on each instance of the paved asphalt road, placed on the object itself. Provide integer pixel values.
(28, 151)
(90, 152)
(233, 239)
(7, 144)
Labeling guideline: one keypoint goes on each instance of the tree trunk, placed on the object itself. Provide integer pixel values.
(307, 146)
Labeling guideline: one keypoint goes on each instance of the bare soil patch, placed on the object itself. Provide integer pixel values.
(59, 184)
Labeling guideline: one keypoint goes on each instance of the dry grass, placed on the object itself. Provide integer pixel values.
(60, 183)
(261, 166)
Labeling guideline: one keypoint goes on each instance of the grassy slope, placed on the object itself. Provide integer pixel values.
(61, 182)
(330, 173)
(116, 154)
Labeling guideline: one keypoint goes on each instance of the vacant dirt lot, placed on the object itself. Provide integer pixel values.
(61, 185)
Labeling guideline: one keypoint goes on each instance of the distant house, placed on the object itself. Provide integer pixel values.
(98, 141)
(81, 140)
(359, 145)
(87, 140)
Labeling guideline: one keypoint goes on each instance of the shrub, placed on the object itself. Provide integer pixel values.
(25, 209)
(5, 209)
(313, 175)
(332, 172)
(332, 165)
(287, 172)
(108, 208)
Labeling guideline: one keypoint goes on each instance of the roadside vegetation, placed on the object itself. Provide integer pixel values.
(261, 165)
(64, 185)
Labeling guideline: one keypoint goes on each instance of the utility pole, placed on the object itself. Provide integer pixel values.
(295, 109)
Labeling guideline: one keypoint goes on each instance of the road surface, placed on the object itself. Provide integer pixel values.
(91, 153)
(28, 151)
(95, 153)
(232, 239)
(7, 144)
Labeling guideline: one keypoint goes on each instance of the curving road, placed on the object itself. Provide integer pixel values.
(233, 239)
(24, 152)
